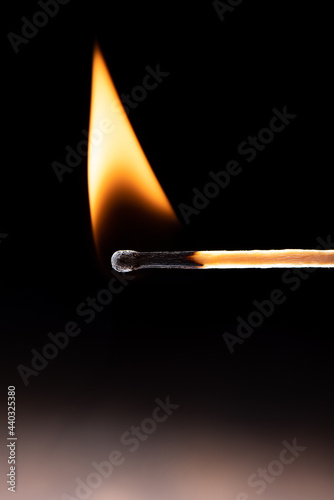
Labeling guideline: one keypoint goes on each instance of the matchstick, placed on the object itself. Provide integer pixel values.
(130, 260)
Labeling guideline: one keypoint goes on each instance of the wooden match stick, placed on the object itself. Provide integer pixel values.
(130, 260)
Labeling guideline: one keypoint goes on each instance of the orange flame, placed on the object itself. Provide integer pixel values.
(120, 178)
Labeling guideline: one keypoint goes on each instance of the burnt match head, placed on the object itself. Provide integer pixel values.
(129, 260)
(124, 261)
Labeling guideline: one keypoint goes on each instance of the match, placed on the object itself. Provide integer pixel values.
(129, 260)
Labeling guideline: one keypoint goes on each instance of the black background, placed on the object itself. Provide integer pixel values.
(163, 334)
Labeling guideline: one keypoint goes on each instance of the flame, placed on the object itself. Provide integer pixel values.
(120, 179)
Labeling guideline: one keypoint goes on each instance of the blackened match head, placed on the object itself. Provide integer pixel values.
(124, 261)
(129, 260)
